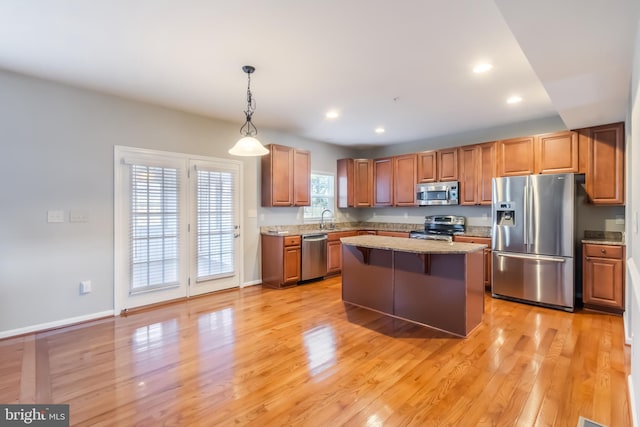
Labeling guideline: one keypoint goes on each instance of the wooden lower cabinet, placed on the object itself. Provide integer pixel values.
(603, 277)
(487, 254)
(334, 250)
(292, 264)
(281, 260)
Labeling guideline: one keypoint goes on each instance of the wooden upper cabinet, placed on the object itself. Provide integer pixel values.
(277, 176)
(448, 164)
(469, 159)
(486, 172)
(346, 183)
(383, 181)
(363, 183)
(301, 178)
(604, 177)
(427, 170)
(516, 156)
(355, 183)
(405, 179)
(557, 152)
(283, 182)
(477, 169)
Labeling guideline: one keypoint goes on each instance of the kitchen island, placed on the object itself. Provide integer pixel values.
(432, 283)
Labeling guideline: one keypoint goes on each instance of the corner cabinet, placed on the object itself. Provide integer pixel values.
(603, 277)
(281, 260)
(604, 162)
(355, 183)
(285, 173)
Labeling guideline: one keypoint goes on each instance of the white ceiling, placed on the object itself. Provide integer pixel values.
(404, 65)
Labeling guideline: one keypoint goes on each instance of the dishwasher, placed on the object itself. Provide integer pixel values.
(314, 256)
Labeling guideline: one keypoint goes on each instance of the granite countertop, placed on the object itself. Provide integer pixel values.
(411, 245)
(472, 231)
(598, 237)
(342, 226)
(603, 242)
(476, 231)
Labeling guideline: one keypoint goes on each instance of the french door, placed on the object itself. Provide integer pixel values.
(177, 226)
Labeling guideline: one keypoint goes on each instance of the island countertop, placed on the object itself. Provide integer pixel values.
(411, 245)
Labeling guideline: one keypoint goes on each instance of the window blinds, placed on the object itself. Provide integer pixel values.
(154, 216)
(215, 224)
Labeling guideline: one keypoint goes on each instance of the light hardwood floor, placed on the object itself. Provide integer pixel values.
(301, 357)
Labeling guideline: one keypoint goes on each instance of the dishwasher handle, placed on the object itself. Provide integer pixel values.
(314, 237)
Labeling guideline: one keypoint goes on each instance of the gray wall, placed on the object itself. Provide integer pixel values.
(58, 155)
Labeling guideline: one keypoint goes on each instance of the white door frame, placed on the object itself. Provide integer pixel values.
(121, 275)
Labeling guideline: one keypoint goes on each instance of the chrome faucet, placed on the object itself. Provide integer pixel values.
(322, 224)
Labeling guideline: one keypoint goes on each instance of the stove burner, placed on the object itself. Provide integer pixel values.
(441, 227)
(422, 235)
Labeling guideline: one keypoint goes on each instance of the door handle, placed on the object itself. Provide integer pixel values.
(532, 257)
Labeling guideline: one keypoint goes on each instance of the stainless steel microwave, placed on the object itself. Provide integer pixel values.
(437, 193)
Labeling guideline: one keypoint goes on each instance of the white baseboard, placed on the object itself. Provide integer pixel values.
(632, 399)
(55, 324)
(252, 283)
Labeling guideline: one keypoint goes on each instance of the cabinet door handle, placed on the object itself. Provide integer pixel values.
(604, 251)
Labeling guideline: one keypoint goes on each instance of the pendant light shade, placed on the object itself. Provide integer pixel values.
(248, 145)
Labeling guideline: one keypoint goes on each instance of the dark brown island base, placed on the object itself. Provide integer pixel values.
(432, 283)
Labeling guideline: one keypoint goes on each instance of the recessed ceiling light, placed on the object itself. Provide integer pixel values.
(514, 99)
(379, 129)
(333, 114)
(482, 68)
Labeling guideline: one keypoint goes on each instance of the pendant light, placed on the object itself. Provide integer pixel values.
(248, 145)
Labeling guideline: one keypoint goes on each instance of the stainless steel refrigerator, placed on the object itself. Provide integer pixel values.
(532, 239)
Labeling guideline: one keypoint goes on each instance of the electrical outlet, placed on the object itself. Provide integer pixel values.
(85, 287)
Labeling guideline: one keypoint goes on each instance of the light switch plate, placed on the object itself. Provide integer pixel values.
(78, 216)
(55, 216)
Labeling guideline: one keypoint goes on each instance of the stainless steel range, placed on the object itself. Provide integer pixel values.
(439, 227)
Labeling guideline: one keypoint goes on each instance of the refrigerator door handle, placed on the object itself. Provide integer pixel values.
(529, 231)
(532, 257)
(525, 227)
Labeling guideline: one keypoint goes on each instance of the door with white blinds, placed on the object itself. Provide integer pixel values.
(176, 226)
(215, 228)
